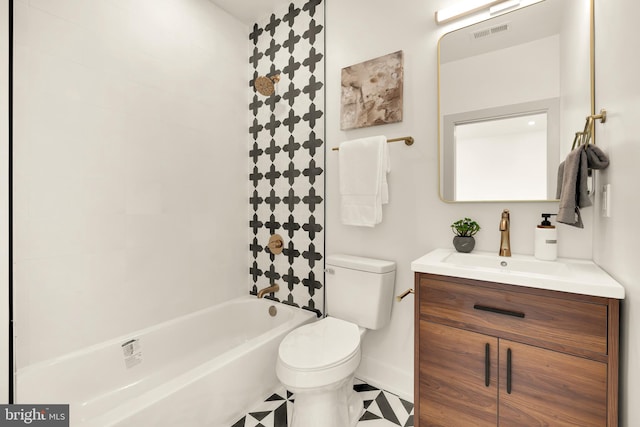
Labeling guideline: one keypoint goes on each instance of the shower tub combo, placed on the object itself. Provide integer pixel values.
(203, 369)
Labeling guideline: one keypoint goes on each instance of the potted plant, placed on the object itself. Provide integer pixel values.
(464, 230)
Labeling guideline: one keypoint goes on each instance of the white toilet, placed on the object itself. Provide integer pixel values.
(317, 361)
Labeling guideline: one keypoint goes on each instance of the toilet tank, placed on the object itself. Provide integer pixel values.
(359, 290)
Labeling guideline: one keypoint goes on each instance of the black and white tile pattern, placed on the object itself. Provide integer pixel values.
(382, 409)
(286, 155)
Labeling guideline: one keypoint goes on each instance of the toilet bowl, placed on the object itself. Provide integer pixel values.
(317, 361)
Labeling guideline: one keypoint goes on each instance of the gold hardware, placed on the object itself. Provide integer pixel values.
(505, 245)
(602, 116)
(404, 294)
(276, 244)
(577, 140)
(268, 290)
(408, 140)
(266, 85)
(587, 135)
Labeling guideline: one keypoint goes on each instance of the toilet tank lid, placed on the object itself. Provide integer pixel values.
(361, 263)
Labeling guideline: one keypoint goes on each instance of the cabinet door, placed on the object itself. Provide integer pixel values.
(458, 377)
(546, 388)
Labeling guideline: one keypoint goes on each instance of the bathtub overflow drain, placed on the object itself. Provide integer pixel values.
(273, 310)
(503, 263)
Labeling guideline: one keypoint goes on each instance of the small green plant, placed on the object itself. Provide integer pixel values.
(465, 227)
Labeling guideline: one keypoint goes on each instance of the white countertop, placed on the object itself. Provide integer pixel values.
(565, 275)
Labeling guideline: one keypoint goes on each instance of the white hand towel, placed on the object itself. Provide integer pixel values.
(363, 167)
(386, 164)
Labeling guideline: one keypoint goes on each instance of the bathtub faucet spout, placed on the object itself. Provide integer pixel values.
(272, 288)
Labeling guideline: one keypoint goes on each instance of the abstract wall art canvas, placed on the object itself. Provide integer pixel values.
(372, 92)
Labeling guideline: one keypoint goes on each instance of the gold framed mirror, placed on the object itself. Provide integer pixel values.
(512, 91)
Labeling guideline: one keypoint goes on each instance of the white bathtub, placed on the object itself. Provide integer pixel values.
(203, 369)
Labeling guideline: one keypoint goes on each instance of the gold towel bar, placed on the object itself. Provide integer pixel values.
(408, 140)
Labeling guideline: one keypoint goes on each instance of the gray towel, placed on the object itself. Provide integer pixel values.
(572, 182)
(596, 159)
(573, 188)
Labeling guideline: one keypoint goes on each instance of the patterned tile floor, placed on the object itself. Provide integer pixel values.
(381, 409)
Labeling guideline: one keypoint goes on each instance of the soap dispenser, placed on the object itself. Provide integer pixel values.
(546, 240)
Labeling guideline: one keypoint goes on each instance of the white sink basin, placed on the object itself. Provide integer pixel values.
(566, 275)
(506, 264)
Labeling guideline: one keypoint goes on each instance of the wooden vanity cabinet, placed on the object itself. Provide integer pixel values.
(490, 354)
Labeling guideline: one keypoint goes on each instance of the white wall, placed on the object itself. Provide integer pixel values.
(130, 167)
(575, 78)
(4, 201)
(416, 220)
(616, 238)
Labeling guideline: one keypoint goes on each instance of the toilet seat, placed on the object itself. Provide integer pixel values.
(319, 354)
(320, 345)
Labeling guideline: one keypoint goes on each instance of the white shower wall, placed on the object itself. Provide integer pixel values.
(129, 167)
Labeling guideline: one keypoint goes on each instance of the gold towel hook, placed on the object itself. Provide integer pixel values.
(586, 136)
(575, 140)
(602, 116)
(586, 133)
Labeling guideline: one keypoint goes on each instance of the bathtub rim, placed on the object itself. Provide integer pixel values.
(141, 332)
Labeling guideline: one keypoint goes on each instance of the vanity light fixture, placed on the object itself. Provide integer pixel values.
(501, 7)
(469, 7)
(462, 9)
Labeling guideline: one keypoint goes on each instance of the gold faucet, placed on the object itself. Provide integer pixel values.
(272, 288)
(505, 245)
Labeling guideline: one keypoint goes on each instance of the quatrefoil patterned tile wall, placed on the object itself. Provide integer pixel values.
(286, 155)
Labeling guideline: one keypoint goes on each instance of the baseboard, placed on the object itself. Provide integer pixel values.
(386, 377)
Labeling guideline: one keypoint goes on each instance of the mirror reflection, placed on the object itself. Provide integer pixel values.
(512, 91)
(478, 144)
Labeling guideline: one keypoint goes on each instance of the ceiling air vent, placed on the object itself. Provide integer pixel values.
(490, 31)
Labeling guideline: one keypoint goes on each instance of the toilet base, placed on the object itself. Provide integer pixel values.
(336, 405)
